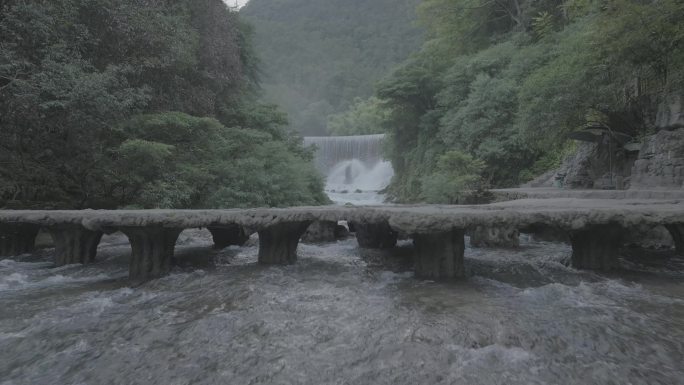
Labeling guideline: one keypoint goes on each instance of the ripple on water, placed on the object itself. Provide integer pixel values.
(521, 317)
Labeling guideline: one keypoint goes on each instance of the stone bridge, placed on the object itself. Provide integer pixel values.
(595, 228)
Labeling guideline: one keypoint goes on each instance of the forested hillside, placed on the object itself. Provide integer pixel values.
(492, 95)
(320, 55)
(107, 104)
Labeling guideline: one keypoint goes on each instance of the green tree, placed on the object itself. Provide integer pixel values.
(505, 82)
(106, 104)
(456, 177)
(181, 161)
(364, 117)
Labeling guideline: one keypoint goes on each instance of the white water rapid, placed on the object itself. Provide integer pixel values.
(341, 315)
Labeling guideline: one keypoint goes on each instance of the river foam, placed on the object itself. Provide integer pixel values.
(340, 316)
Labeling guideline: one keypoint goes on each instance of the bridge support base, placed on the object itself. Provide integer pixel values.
(17, 239)
(375, 235)
(278, 243)
(495, 237)
(230, 235)
(152, 251)
(439, 256)
(596, 247)
(74, 244)
(677, 232)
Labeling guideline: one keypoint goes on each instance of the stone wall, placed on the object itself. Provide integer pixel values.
(590, 167)
(658, 165)
(661, 161)
(671, 114)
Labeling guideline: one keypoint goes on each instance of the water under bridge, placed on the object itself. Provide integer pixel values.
(595, 228)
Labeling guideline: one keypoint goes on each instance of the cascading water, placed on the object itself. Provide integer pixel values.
(354, 167)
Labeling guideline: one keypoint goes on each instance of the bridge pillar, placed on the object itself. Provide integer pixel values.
(375, 235)
(596, 247)
(17, 238)
(439, 255)
(74, 244)
(151, 251)
(278, 243)
(677, 232)
(228, 235)
(483, 236)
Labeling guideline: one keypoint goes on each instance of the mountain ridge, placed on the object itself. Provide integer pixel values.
(317, 57)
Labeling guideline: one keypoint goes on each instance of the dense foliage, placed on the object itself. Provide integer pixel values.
(505, 81)
(455, 178)
(139, 103)
(320, 55)
(364, 117)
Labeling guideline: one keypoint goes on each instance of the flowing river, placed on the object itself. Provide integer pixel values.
(341, 316)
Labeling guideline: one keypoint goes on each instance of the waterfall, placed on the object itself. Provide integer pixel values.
(354, 167)
(334, 149)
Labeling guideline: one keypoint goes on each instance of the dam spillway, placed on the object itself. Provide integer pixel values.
(332, 150)
(353, 166)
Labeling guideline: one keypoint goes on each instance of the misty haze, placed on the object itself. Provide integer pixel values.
(341, 192)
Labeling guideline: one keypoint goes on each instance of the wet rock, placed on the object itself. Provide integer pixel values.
(320, 232)
(341, 232)
(542, 233)
(677, 232)
(483, 236)
(228, 235)
(657, 237)
(375, 235)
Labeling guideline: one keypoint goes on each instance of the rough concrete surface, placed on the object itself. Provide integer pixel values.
(555, 192)
(661, 161)
(595, 228)
(564, 213)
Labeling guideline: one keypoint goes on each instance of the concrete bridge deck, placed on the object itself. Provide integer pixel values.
(555, 192)
(594, 226)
